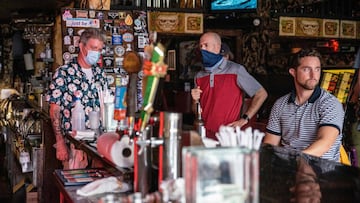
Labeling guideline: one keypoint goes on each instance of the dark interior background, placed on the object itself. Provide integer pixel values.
(19, 9)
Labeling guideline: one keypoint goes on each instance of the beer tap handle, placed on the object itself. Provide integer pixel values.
(142, 144)
(198, 107)
(132, 65)
(153, 68)
(155, 142)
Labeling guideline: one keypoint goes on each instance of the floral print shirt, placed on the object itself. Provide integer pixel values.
(68, 82)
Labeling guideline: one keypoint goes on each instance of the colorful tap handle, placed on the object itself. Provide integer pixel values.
(153, 70)
(132, 65)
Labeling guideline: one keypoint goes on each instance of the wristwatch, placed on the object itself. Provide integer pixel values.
(246, 117)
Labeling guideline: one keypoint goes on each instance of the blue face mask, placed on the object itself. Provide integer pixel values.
(209, 59)
(92, 57)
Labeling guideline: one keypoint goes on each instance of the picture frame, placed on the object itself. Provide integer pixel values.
(287, 26)
(190, 61)
(308, 27)
(194, 23)
(330, 28)
(171, 59)
(348, 29)
(166, 22)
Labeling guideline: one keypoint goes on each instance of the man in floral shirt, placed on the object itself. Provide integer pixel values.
(81, 78)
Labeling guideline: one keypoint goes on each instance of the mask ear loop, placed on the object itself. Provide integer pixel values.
(82, 46)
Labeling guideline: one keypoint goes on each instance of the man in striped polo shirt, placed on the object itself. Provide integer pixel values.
(221, 87)
(308, 119)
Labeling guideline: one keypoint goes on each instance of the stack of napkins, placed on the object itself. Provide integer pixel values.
(110, 184)
(228, 136)
(209, 142)
(84, 134)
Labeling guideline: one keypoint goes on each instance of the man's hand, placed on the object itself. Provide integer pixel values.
(239, 123)
(195, 93)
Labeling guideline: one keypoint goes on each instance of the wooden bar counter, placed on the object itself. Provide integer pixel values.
(283, 175)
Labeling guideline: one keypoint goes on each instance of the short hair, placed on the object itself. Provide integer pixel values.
(295, 61)
(225, 50)
(94, 33)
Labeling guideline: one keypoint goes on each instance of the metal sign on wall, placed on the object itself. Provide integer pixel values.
(175, 22)
(317, 27)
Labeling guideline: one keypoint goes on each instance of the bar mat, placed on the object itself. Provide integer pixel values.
(78, 177)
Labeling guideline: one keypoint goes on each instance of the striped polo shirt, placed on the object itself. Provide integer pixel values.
(222, 94)
(298, 124)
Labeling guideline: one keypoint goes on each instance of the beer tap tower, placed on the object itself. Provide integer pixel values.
(153, 68)
(148, 172)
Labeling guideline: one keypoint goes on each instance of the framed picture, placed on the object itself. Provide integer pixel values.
(171, 59)
(166, 22)
(190, 60)
(348, 29)
(286, 26)
(194, 23)
(308, 27)
(330, 28)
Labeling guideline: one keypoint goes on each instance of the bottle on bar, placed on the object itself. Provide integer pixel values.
(199, 125)
(120, 103)
(77, 115)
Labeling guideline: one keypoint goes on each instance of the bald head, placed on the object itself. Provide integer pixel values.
(210, 41)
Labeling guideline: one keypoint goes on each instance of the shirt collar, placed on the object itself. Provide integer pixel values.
(315, 95)
(223, 63)
(218, 65)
